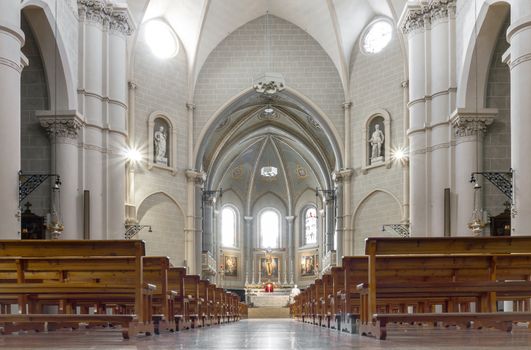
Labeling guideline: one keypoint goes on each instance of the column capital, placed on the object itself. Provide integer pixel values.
(405, 84)
(248, 218)
(132, 85)
(290, 218)
(468, 123)
(115, 17)
(64, 124)
(197, 177)
(417, 16)
(190, 106)
(347, 105)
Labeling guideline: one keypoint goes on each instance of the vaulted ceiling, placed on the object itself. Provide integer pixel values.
(202, 24)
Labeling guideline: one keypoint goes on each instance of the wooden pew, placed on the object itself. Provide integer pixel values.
(338, 289)
(318, 296)
(461, 249)
(204, 317)
(176, 283)
(128, 257)
(218, 305)
(212, 308)
(191, 291)
(326, 305)
(244, 313)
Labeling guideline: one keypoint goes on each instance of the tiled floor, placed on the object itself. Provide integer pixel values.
(272, 334)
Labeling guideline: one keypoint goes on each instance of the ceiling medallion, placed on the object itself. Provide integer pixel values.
(268, 113)
(301, 172)
(237, 172)
(269, 171)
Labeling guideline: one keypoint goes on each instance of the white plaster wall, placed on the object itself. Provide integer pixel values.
(239, 58)
(379, 207)
(497, 142)
(35, 145)
(161, 86)
(376, 84)
(167, 221)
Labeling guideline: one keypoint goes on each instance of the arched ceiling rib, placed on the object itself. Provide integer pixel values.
(335, 24)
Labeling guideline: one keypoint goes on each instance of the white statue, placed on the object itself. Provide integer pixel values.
(294, 292)
(160, 146)
(376, 141)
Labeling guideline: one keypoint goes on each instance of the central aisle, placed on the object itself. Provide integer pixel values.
(270, 334)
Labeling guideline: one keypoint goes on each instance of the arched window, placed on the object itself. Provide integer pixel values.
(229, 226)
(269, 229)
(310, 226)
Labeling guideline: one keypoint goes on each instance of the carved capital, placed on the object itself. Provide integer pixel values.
(248, 218)
(417, 17)
(93, 10)
(116, 18)
(132, 85)
(197, 177)
(290, 218)
(120, 21)
(472, 123)
(64, 124)
(190, 106)
(405, 84)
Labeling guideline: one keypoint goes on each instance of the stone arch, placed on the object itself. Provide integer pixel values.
(166, 217)
(478, 55)
(378, 207)
(52, 46)
(225, 109)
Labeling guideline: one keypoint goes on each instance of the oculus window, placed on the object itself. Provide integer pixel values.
(161, 39)
(269, 229)
(377, 36)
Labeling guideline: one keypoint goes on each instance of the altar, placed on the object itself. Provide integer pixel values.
(258, 297)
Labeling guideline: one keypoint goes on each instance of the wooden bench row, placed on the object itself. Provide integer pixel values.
(59, 284)
(457, 281)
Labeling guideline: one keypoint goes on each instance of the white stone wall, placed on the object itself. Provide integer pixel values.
(161, 86)
(239, 58)
(376, 84)
(368, 218)
(167, 221)
(35, 145)
(497, 142)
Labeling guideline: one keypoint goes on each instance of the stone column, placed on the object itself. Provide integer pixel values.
(193, 239)
(248, 249)
(345, 239)
(208, 221)
(63, 129)
(290, 266)
(430, 29)
(469, 130)
(116, 119)
(519, 37)
(412, 25)
(130, 205)
(344, 231)
(329, 223)
(11, 63)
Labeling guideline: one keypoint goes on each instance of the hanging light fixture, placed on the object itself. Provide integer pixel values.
(268, 83)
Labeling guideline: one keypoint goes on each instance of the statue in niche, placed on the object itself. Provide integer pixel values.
(160, 144)
(376, 141)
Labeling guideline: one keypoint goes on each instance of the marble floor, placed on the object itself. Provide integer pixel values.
(278, 334)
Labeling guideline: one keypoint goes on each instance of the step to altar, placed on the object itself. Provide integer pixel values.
(268, 312)
(259, 298)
